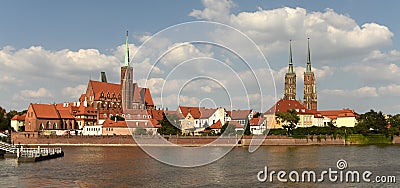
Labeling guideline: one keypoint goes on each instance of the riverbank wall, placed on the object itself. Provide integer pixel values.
(34, 139)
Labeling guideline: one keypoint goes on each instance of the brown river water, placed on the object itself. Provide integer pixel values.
(131, 167)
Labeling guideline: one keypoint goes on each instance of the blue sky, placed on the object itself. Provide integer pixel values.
(49, 49)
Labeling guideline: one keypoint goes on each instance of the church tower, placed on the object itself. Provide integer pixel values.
(127, 79)
(310, 90)
(290, 79)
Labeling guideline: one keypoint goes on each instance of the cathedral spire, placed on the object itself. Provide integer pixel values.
(126, 51)
(290, 58)
(308, 57)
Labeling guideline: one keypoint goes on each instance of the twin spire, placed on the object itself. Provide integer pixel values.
(126, 51)
(308, 68)
(290, 58)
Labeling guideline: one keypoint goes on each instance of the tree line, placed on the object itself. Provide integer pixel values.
(369, 123)
(5, 118)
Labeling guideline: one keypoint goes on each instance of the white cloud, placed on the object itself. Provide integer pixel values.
(375, 71)
(172, 101)
(181, 52)
(331, 32)
(390, 90)
(33, 94)
(214, 10)
(74, 92)
(357, 93)
(378, 56)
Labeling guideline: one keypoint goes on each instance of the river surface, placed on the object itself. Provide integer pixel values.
(131, 167)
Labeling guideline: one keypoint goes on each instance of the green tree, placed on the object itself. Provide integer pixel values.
(256, 115)
(394, 121)
(228, 129)
(372, 122)
(247, 128)
(119, 118)
(140, 131)
(4, 120)
(170, 125)
(289, 120)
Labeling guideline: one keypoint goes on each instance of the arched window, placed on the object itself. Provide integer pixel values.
(48, 124)
(55, 125)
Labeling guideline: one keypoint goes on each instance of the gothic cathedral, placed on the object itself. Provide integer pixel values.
(290, 79)
(310, 90)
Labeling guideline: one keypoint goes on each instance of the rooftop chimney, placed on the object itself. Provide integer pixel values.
(103, 77)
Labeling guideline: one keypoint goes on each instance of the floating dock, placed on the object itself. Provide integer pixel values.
(30, 154)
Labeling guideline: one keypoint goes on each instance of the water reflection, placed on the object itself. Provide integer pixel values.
(130, 166)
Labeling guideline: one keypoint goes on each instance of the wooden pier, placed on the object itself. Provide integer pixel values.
(30, 154)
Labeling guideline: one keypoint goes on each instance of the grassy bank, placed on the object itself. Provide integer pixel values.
(369, 139)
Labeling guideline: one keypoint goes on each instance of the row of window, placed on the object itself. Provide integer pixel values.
(108, 95)
(128, 116)
(92, 129)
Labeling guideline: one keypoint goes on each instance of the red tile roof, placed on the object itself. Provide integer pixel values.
(110, 123)
(19, 117)
(82, 97)
(104, 114)
(147, 97)
(256, 121)
(333, 114)
(285, 105)
(45, 111)
(104, 87)
(155, 114)
(65, 114)
(155, 123)
(237, 124)
(82, 110)
(197, 112)
(239, 114)
(216, 125)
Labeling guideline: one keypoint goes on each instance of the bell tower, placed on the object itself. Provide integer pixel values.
(290, 79)
(310, 88)
(127, 79)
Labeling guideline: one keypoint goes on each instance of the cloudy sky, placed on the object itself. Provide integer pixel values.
(50, 49)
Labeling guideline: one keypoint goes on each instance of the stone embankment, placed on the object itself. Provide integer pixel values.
(33, 139)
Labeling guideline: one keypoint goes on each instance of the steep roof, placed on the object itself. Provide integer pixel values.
(155, 114)
(285, 105)
(239, 114)
(256, 121)
(65, 114)
(197, 112)
(82, 110)
(19, 117)
(45, 111)
(104, 87)
(82, 97)
(142, 94)
(155, 123)
(216, 125)
(147, 97)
